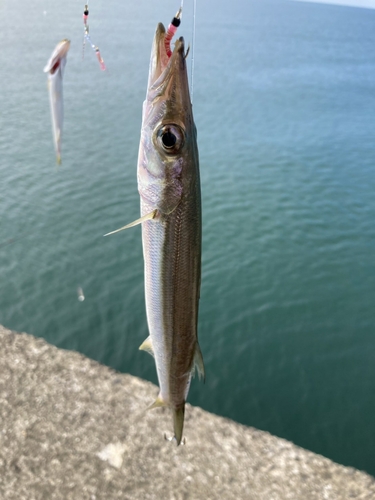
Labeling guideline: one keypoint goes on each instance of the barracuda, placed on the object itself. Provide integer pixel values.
(168, 182)
(169, 187)
(55, 69)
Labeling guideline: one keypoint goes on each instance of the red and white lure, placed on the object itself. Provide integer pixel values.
(86, 37)
(172, 28)
(171, 31)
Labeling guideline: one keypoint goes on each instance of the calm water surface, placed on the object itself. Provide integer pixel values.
(284, 101)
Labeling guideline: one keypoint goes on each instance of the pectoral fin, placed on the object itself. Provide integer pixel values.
(147, 346)
(149, 216)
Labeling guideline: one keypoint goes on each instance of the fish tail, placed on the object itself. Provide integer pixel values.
(178, 422)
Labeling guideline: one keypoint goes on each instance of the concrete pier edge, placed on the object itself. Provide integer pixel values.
(73, 429)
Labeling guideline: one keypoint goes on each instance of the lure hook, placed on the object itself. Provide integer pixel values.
(172, 28)
(86, 37)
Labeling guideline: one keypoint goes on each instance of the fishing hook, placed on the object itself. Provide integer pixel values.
(172, 28)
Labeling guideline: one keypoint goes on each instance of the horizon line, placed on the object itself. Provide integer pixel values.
(366, 4)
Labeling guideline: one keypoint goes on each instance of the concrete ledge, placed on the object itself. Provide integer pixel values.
(73, 429)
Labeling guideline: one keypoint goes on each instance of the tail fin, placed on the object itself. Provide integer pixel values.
(178, 417)
(178, 422)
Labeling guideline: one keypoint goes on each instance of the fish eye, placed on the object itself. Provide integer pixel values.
(170, 138)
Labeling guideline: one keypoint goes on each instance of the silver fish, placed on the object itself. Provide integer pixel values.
(55, 69)
(169, 187)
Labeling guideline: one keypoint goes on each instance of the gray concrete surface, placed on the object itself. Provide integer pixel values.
(71, 428)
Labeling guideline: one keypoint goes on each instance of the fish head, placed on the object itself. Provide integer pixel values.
(168, 92)
(168, 131)
(58, 55)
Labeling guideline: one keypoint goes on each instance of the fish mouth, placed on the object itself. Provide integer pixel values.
(161, 65)
(60, 51)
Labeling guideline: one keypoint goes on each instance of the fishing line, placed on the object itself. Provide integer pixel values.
(193, 49)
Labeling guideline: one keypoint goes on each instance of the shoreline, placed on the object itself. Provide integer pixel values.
(71, 428)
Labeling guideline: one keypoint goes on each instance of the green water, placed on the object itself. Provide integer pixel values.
(284, 103)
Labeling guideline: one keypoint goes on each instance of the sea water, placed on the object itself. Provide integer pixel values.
(284, 103)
